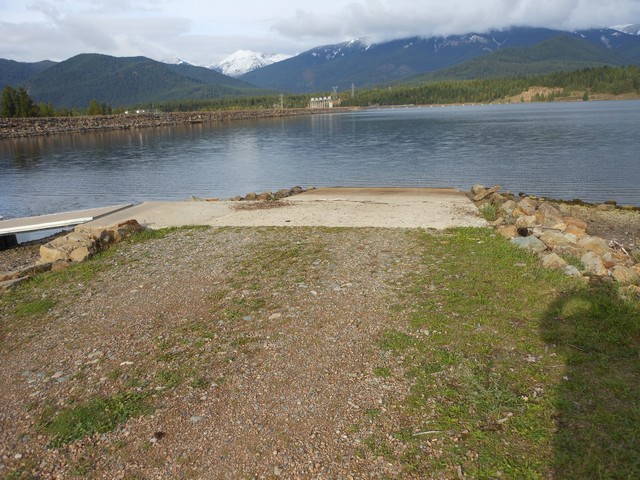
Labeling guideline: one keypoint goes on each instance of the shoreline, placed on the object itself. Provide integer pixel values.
(45, 126)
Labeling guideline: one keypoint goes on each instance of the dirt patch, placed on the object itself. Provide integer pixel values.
(268, 205)
(618, 225)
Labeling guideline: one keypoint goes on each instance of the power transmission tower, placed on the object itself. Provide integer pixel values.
(281, 101)
(353, 90)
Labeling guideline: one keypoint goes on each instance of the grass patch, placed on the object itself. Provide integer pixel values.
(525, 372)
(382, 372)
(34, 307)
(489, 212)
(98, 415)
(573, 260)
(276, 259)
(151, 234)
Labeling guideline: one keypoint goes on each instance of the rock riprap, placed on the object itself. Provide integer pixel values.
(549, 230)
(75, 247)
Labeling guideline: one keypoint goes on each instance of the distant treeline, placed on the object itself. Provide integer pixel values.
(602, 80)
(235, 103)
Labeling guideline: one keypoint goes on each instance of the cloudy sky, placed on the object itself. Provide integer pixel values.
(205, 32)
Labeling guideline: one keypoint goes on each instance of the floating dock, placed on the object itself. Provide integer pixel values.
(11, 227)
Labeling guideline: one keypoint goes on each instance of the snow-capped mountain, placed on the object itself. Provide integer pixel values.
(331, 52)
(631, 29)
(362, 63)
(244, 61)
(175, 60)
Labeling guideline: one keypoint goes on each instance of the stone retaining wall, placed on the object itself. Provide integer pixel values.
(77, 246)
(27, 127)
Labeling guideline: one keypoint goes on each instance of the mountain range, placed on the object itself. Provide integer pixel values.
(365, 64)
(123, 81)
(133, 81)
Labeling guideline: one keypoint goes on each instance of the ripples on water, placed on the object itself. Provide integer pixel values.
(585, 150)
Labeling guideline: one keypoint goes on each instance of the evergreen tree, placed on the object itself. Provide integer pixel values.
(26, 107)
(18, 103)
(9, 102)
(94, 108)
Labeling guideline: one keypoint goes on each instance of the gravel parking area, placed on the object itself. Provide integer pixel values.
(256, 346)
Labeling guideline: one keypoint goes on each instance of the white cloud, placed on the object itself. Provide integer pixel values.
(394, 19)
(206, 32)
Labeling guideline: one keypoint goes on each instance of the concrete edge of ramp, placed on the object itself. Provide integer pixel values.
(58, 220)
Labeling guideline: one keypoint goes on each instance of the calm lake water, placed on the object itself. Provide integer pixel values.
(587, 150)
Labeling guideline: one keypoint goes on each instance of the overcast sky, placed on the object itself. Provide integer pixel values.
(205, 32)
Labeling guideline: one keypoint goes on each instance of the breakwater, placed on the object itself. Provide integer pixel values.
(30, 127)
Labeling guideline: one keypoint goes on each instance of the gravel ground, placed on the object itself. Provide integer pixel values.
(259, 345)
(622, 226)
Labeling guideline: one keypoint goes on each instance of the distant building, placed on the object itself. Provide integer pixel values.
(324, 102)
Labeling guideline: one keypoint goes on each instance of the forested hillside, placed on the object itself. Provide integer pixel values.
(561, 53)
(15, 74)
(129, 81)
(603, 80)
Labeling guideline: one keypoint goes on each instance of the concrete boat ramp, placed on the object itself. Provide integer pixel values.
(331, 207)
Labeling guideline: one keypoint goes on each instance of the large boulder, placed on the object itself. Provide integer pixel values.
(625, 275)
(61, 248)
(574, 230)
(283, 193)
(582, 225)
(527, 206)
(554, 239)
(507, 207)
(526, 221)
(569, 249)
(477, 188)
(550, 211)
(532, 244)
(124, 230)
(594, 265)
(485, 193)
(554, 261)
(508, 231)
(597, 245)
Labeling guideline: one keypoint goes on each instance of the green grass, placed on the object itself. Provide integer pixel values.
(489, 211)
(34, 307)
(149, 234)
(525, 372)
(98, 415)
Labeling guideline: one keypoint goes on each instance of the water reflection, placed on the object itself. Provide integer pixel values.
(586, 150)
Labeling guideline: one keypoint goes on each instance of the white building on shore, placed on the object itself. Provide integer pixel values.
(324, 102)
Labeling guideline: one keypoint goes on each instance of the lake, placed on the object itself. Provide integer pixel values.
(586, 150)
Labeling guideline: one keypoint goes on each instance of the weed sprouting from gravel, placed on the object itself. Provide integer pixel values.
(98, 415)
(34, 307)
